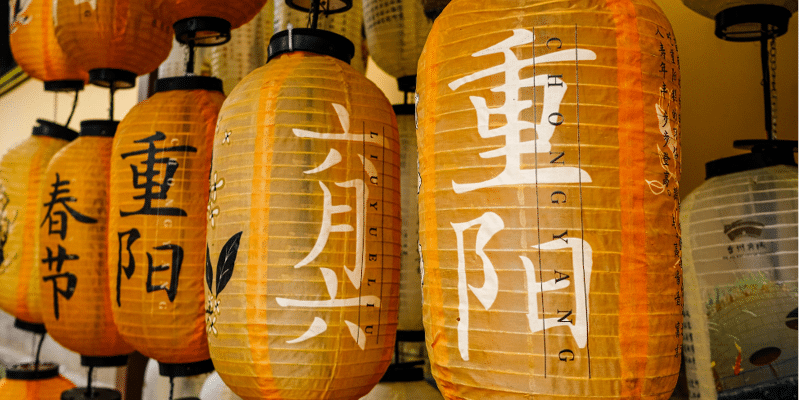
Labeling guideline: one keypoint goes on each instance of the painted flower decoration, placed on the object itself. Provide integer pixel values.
(212, 214)
(217, 183)
(225, 264)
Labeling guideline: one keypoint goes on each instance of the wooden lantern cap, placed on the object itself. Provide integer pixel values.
(63, 86)
(108, 77)
(98, 127)
(185, 369)
(54, 130)
(311, 40)
(25, 325)
(112, 361)
(29, 372)
(765, 153)
(752, 22)
(193, 82)
(97, 394)
(202, 31)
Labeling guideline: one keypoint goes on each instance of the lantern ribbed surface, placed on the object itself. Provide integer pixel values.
(246, 51)
(304, 244)
(410, 315)
(175, 63)
(549, 160)
(48, 387)
(76, 298)
(35, 48)
(21, 172)
(157, 223)
(347, 24)
(396, 32)
(740, 259)
(112, 34)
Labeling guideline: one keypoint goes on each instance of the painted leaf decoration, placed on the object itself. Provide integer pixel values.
(227, 257)
(209, 271)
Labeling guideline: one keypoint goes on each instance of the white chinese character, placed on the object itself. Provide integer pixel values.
(515, 147)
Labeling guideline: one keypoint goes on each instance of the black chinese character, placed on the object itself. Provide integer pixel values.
(71, 279)
(61, 221)
(177, 260)
(133, 235)
(152, 189)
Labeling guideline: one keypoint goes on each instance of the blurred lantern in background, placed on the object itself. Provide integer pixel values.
(33, 382)
(740, 257)
(207, 22)
(158, 196)
(76, 300)
(246, 51)
(36, 50)
(303, 258)
(21, 183)
(549, 162)
(346, 21)
(396, 32)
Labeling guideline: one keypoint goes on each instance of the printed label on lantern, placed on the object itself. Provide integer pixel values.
(366, 273)
(564, 255)
(56, 217)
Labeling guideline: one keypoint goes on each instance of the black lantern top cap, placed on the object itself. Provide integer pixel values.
(191, 82)
(764, 153)
(752, 22)
(325, 6)
(32, 372)
(311, 40)
(99, 127)
(54, 130)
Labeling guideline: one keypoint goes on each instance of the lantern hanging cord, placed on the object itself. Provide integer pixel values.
(38, 352)
(190, 62)
(770, 108)
(171, 386)
(89, 392)
(74, 105)
(111, 101)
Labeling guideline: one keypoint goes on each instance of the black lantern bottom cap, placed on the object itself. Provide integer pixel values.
(202, 31)
(63, 86)
(29, 326)
(407, 372)
(111, 361)
(97, 394)
(106, 77)
(185, 369)
(751, 22)
(30, 372)
(407, 84)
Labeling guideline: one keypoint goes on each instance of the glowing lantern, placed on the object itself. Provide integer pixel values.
(27, 382)
(76, 299)
(21, 173)
(740, 258)
(246, 51)
(303, 259)
(549, 161)
(36, 50)
(115, 40)
(396, 32)
(157, 222)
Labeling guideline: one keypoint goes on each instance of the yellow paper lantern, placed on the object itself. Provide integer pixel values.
(303, 259)
(157, 222)
(549, 162)
(396, 32)
(21, 172)
(26, 382)
(115, 40)
(73, 255)
(36, 50)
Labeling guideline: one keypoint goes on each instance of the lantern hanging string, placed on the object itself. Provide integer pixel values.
(770, 116)
(74, 105)
(171, 386)
(111, 101)
(38, 352)
(89, 393)
(190, 62)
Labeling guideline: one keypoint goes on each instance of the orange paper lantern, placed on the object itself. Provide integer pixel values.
(115, 40)
(21, 172)
(76, 299)
(549, 163)
(25, 382)
(157, 222)
(304, 244)
(36, 50)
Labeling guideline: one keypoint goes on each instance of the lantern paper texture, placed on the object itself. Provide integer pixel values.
(158, 198)
(175, 63)
(304, 242)
(34, 45)
(112, 34)
(740, 259)
(73, 256)
(49, 388)
(549, 160)
(21, 173)
(347, 24)
(396, 32)
(246, 51)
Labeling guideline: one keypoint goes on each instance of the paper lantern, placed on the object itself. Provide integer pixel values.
(157, 222)
(207, 22)
(396, 32)
(549, 160)
(36, 50)
(246, 51)
(76, 299)
(346, 23)
(740, 260)
(26, 382)
(304, 246)
(115, 40)
(21, 172)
